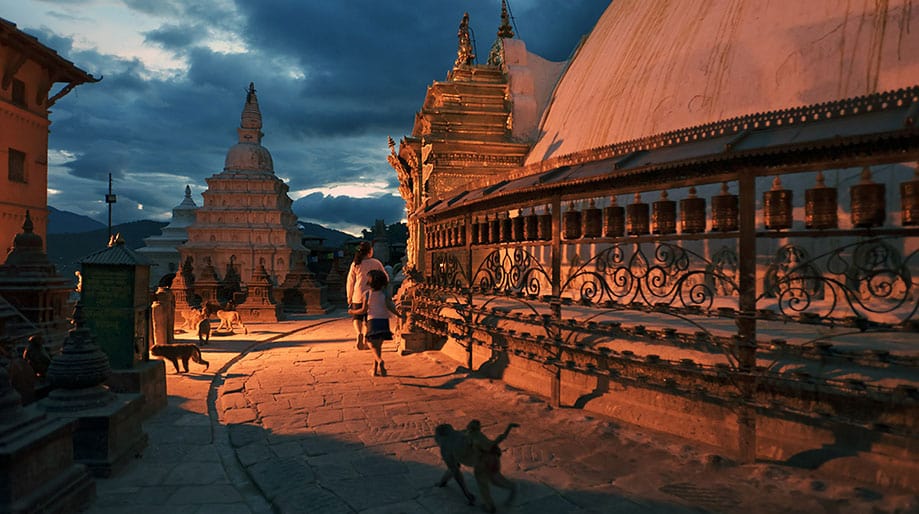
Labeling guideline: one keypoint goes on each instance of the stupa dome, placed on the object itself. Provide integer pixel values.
(654, 66)
(248, 157)
(249, 154)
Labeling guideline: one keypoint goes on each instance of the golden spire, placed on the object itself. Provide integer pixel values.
(505, 30)
(464, 54)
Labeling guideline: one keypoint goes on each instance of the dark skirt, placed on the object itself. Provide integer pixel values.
(378, 329)
(358, 317)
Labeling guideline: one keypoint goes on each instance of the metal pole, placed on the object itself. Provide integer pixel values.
(110, 199)
(746, 319)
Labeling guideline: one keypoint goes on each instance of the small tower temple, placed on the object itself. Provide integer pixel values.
(246, 226)
(162, 250)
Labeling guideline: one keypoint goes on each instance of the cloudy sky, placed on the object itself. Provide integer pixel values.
(334, 79)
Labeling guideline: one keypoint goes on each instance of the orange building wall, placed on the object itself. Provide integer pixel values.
(26, 130)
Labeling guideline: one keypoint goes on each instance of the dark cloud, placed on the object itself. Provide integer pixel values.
(334, 79)
(175, 37)
(348, 210)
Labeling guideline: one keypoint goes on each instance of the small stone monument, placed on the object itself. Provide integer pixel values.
(301, 292)
(207, 283)
(106, 425)
(259, 305)
(37, 470)
(116, 303)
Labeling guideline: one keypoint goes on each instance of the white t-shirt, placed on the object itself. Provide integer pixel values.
(359, 276)
(376, 306)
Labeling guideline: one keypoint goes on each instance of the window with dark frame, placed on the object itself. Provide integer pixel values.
(19, 93)
(17, 166)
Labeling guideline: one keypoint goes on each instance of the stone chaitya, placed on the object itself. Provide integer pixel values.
(246, 221)
(30, 283)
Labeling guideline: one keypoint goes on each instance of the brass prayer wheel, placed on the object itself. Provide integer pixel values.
(636, 217)
(692, 213)
(820, 206)
(484, 231)
(495, 230)
(868, 209)
(531, 226)
(614, 216)
(545, 225)
(506, 235)
(572, 223)
(777, 206)
(461, 234)
(724, 211)
(593, 220)
(517, 228)
(909, 200)
(663, 215)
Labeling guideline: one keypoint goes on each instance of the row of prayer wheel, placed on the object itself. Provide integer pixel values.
(868, 204)
(868, 209)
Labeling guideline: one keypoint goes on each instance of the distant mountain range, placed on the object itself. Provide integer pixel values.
(66, 222)
(73, 236)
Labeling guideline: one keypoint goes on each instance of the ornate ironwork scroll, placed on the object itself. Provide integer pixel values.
(447, 271)
(673, 276)
(512, 270)
(868, 280)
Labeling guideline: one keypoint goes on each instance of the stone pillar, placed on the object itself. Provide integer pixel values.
(37, 470)
(106, 426)
(163, 316)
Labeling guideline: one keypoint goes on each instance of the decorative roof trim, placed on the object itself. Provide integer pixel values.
(738, 125)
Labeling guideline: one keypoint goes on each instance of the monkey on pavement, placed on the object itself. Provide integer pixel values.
(472, 448)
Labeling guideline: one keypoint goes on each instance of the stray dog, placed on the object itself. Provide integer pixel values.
(472, 448)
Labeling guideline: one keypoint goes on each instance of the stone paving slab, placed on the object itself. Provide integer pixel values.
(288, 420)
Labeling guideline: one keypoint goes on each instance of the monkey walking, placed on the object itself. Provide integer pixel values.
(472, 448)
(177, 351)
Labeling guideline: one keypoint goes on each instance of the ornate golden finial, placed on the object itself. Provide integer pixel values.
(250, 92)
(392, 144)
(464, 54)
(115, 239)
(505, 30)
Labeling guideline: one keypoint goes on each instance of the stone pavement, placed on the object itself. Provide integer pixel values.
(289, 419)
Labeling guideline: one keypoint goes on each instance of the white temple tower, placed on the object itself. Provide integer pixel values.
(162, 250)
